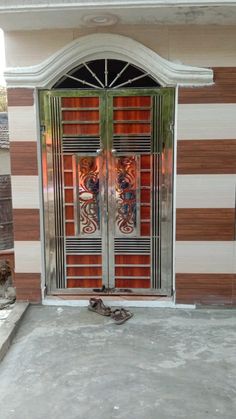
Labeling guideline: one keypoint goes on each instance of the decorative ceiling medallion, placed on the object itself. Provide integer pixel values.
(100, 20)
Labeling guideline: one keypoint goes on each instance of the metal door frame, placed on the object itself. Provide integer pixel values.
(50, 128)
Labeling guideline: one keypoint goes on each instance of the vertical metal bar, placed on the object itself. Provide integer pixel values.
(58, 192)
(76, 194)
(155, 255)
(138, 195)
(106, 73)
(104, 188)
(111, 181)
(166, 185)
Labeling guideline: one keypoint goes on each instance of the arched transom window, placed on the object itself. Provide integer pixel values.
(106, 74)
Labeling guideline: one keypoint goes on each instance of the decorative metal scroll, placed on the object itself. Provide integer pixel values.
(126, 194)
(89, 195)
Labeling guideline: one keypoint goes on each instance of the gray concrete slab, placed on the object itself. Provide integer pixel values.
(69, 363)
(9, 325)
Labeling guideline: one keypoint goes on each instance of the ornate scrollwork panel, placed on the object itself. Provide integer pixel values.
(89, 196)
(126, 195)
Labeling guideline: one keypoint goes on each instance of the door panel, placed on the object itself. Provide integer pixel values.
(131, 121)
(81, 137)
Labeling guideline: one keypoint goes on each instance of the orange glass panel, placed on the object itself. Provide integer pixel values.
(132, 101)
(84, 271)
(69, 196)
(80, 102)
(135, 271)
(132, 259)
(145, 213)
(67, 162)
(132, 283)
(68, 179)
(145, 178)
(145, 229)
(80, 116)
(84, 259)
(132, 128)
(70, 230)
(77, 129)
(145, 162)
(84, 283)
(134, 115)
(69, 212)
(145, 196)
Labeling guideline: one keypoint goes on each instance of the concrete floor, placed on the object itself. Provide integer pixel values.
(69, 363)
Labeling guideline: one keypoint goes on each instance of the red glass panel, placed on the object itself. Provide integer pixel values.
(84, 271)
(69, 196)
(80, 129)
(80, 102)
(145, 229)
(145, 162)
(132, 259)
(134, 271)
(69, 212)
(132, 128)
(134, 115)
(68, 179)
(84, 283)
(132, 283)
(145, 178)
(70, 230)
(145, 196)
(80, 116)
(129, 101)
(67, 162)
(84, 259)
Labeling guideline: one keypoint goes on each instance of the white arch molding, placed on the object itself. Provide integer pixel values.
(95, 46)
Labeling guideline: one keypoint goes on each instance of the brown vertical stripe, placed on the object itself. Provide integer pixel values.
(204, 288)
(223, 91)
(205, 224)
(24, 158)
(206, 157)
(20, 97)
(26, 224)
(28, 287)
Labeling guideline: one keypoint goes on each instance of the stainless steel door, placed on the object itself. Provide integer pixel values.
(108, 158)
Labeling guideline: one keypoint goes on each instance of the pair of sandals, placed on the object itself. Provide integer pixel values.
(119, 315)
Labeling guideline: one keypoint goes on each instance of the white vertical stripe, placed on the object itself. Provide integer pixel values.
(25, 191)
(204, 257)
(205, 191)
(22, 123)
(27, 256)
(207, 121)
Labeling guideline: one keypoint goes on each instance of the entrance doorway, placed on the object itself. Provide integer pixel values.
(107, 176)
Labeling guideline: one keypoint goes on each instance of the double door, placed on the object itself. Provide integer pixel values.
(109, 165)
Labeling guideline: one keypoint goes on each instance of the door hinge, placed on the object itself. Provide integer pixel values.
(172, 127)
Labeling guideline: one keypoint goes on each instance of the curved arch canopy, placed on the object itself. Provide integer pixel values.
(110, 46)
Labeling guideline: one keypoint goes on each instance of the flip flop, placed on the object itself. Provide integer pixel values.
(121, 315)
(97, 305)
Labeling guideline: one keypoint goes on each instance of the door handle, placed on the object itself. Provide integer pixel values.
(99, 151)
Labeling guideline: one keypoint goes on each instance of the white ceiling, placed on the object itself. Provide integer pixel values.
(28, 14)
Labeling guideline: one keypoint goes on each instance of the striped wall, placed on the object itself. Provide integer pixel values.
(25, 190)
(205, 196)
